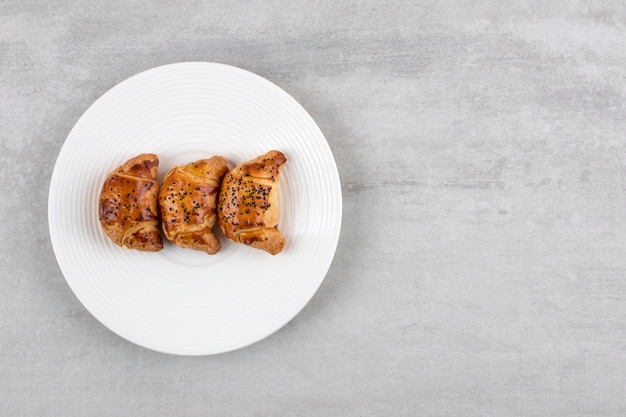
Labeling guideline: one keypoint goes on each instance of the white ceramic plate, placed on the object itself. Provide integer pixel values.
(177, 300)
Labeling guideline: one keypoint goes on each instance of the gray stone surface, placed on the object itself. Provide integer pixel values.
(482, 152)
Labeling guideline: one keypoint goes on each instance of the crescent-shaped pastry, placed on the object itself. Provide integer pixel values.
(248, 203)
(187, 202)
(128, 210)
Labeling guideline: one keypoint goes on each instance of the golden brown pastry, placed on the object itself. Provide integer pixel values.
(187, 202)
(248, 203)
(128, 209)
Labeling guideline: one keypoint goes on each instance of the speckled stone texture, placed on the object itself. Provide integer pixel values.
(482, 152)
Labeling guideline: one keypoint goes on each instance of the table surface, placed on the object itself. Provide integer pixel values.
(482, 153)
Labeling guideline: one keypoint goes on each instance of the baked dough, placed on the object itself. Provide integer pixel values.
(128, 209)
(187, 202)
(248, 203)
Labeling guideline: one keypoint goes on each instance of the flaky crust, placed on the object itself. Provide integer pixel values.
(128, 210)
(248, 203)
(187, 201)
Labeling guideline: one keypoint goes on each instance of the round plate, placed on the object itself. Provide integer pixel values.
(177, 300)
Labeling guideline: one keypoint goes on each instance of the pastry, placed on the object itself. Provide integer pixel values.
(248, 203)
(128, 209)
(187, 202)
